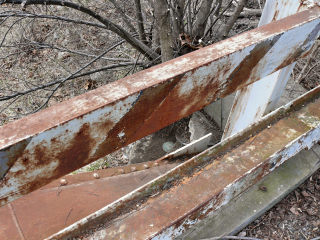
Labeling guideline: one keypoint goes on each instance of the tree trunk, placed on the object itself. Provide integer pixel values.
(177, 17)
(225, 31)
(162, 14)
(202, 17)
(142, 34)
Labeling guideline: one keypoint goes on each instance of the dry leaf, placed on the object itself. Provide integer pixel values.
(312, 211)
(305, 194)
(90, 84)
(294, 210)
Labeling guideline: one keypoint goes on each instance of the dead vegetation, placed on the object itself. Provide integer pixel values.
(53, 50)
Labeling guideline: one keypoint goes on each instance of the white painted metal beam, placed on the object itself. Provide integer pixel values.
(255, 100)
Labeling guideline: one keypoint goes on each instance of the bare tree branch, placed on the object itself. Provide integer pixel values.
(142, 33)
(9, 29)
(217, 18)
(74, 75)
(32, 15)
(140, 46)
(123, 16)
(202, 17)
(177, 17)
(62, 49)
(225, 31)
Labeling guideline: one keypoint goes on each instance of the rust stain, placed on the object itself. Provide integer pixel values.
(275, 17)
(194, 192)
(160, 104)
(77, 153)
(299, 51)
(130, 124)
(70, 158)
(246, 68)
(98, 98)
(176, 106)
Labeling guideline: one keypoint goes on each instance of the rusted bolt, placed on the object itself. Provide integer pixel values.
(306, 148)
(63, 182)
(263, 188)
(156, 164)
(145, 166)
(120, 171)
(133, 169)
(96, 176)
(319, 142)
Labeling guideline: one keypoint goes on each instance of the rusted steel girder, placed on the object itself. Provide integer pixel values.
(156, 211)
(44, 146)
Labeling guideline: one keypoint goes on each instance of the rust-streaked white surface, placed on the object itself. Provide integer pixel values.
(253, 101)
(74, 133)
(195, 198)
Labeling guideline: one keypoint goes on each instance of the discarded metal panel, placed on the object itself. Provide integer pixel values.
(261, 97)
(76, 132)
(53, 207)
(157, 212)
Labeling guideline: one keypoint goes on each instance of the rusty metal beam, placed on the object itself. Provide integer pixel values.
(156, 212)
(44, 146)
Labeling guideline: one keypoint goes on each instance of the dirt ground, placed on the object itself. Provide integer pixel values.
(297, 216)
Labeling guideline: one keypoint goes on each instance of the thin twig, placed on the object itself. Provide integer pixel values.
(220, 15)
(117, 29)
(65, 222)
(302, 74)
(32, 15)
(69, 77)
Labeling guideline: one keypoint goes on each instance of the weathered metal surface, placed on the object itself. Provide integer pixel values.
(52, 208)
(83, 129)
(174, 211)
(259, 98)
(191, 148)
(257, 150)
(259, 198)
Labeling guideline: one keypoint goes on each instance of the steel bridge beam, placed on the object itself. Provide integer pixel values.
(168, 206)
(49, 144)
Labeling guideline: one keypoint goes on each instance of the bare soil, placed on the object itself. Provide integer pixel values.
(297, 216)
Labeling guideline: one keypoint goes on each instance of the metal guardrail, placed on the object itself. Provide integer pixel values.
(205, 183)
(47, 145)
(52, 143)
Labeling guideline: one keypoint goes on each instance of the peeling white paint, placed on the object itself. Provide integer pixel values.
(311, 3)
(261, 97)
(121, 134)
